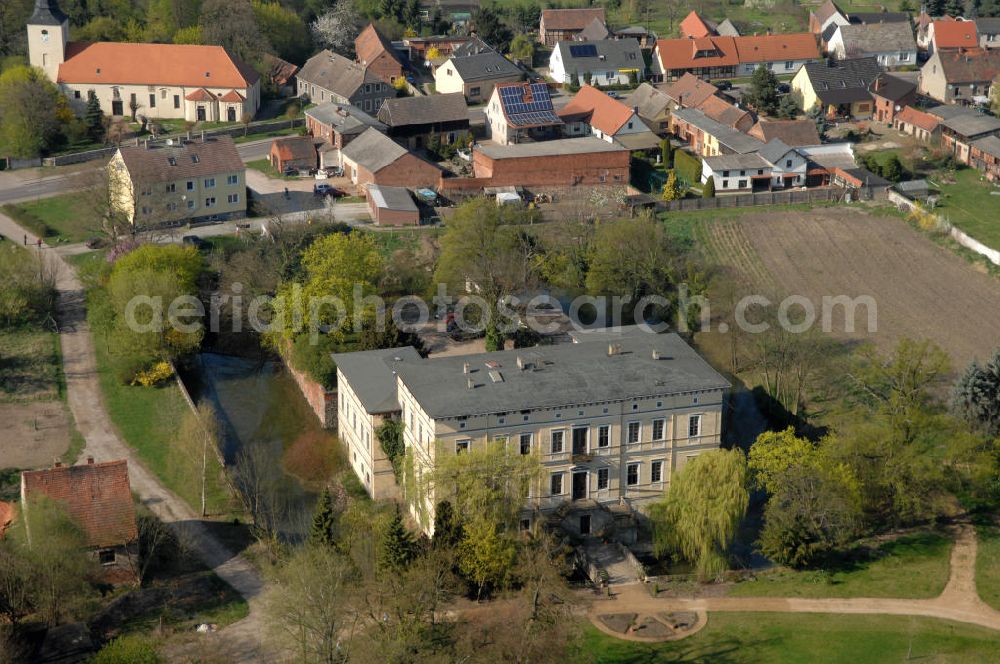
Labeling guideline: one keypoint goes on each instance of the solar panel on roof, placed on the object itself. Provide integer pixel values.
(583, 51)
(528, 104)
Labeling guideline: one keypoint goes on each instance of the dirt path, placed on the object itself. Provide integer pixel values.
(102, 442)
(959, 601)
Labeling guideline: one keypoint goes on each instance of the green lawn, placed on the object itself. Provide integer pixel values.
(915, 566)
(147, 418)
(988, 565)
(970, 205)
(773, 638)
(30, 368)
(57, 219)
(265, 167)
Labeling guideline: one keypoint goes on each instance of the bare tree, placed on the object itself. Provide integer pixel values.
(258, 483)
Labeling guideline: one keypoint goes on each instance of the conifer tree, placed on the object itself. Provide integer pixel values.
(324, 523)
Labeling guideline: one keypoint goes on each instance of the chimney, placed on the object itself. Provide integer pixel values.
(614, 349)
(57, 464)
(469, 384)
(465, 368)
(90, 461)
(656, 354)
(520, 363)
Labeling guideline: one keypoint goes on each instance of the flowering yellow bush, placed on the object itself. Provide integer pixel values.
(154, 375)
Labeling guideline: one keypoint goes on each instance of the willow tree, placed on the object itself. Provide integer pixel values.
(701, 511)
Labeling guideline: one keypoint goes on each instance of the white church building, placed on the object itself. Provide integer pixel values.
(193, 82)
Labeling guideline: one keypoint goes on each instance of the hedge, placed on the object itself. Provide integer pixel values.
(687, 166)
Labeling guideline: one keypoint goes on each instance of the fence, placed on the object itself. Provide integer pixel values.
(956, 234)
(261, 127)
(826, 194)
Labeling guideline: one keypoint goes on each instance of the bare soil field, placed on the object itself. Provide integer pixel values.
(921, 289)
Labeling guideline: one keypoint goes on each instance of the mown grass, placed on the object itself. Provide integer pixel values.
(970, 204)
(912, 566)
(265, 167)
(988, 565)
(56, 219)
(776, 638)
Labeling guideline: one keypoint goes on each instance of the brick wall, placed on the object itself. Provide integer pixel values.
(407, 171)
(322, 402)
(386, 67)
(610, 168)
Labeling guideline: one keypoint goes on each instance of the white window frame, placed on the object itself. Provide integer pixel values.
(654, 466)
(606, 472)
(662, 423)
(604, 434)
(520, 442)
(462, 445)
(694, 425)
(562, 484)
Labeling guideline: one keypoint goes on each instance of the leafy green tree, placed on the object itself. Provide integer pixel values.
(333, 266)
(447, 526)
(489, 26)
(699, 516)
(892, 168)
(708, 189)
(33, 113)
(667, 153)
(189, 35)
(486, 555)
(489, 251)
(773, 453)
(102, 28)
(650, 269)
(390, 439)
(671, 190)
(763, 94)
(93, 117)
(284, 29)
(233, 24)
(131, 649)
(976, 396)
(397, 547)
(323, 530)
(811, 513)
(522, 48)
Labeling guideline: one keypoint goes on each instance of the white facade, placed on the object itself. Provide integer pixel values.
(780, 68)
(789, 170)
(608, 75)
(887, 59)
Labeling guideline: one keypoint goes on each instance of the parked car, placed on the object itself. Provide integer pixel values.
(290, 172)
(327, 190)
(723, 85)
(784, 88)
(194, 241)
(613, 94)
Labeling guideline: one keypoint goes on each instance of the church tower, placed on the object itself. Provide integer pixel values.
(48, 31)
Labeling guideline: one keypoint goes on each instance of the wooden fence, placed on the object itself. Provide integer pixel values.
(819, 195)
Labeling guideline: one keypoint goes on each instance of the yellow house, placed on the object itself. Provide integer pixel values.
(174, 182)
(193, 82)
(610, 419)
(475, 75)
(839, 88)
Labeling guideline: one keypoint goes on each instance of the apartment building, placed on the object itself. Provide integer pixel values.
(610, 418)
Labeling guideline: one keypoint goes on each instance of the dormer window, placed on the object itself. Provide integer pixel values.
(208, 74)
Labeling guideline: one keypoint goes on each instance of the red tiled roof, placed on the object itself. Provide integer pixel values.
(689, 90)
(571, 19)
(371, 43)
(295, 147)
(601, 111)
(680, 53)
(201, 94)
(95, 495)
(232, 97)
(918, 118)
(773, 48)
(189, 65)
(722, 111)
(280, 71)
(693, 26)
(955, 34)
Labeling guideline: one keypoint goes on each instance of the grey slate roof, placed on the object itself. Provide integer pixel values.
(373, 150)
(371, 375)
(650, 101)
(392, 198)
(595, 31)
(336, 73)
(729, 162)
(47, 12)
(972, 123)
(869, 38)
(185, 159)
(563, 375)
(731, 138)
(842, 81)
(344, 118)
(616, 53)
(562, 146)
(484, 66)
(474, 46)
(429, 109)
(988, 26)
(990, 145)
(879, 17)
(774, 150)
(891, 87)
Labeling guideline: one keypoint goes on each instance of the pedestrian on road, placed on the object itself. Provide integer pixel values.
(26, 239)
(39, 243)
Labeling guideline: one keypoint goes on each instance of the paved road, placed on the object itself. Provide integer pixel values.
(102, 442)
(34, 183)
